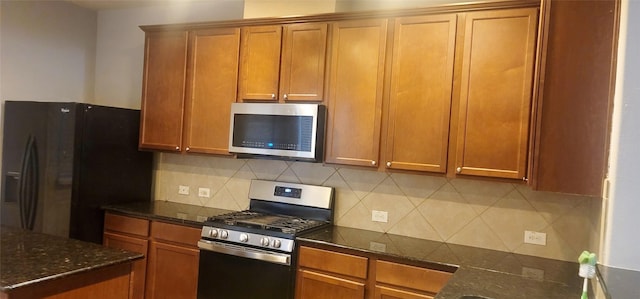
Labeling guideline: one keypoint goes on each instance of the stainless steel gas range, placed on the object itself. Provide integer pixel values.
(252, 253)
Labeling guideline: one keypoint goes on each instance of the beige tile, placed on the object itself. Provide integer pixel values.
(267, 169)
(418, 186)
(244, 173)
(414, 225)
(238, 188)
(359, 217)
(447, 211)
(388, 197)
(550, 205)
(575, 227)
(312, 173)
(510, 217)
(362, 181)
(556, 248)
(225, 166)
(481, 194)
(223, 200)
(345, 199)
(478, 234)
(288, 176)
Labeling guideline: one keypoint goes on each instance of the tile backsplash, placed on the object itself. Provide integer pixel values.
(470, 212)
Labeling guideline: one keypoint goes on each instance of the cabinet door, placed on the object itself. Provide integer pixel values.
(313, 285)
(420, 93)
(163, 87)
(172, 271)
(496, 92)
(213, 77)
(139, 267)
(382, 292)
(355, 92)
(260, 63)
(303, 62)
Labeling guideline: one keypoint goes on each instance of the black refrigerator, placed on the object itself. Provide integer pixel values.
(62, 161)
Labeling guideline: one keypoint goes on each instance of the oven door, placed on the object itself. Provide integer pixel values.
(236, 272)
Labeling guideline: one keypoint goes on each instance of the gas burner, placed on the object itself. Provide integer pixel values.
(233, 217)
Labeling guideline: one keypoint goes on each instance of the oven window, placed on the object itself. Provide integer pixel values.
(232, 277)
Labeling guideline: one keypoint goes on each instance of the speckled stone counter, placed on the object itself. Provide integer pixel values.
(167, 211)
(480, 272)
(28, 258)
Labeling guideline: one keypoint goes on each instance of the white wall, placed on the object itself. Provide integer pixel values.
(621, 245)
(119, 56)
(47, 51)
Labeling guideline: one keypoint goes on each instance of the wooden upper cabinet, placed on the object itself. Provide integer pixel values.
(213, 77)
(355, 92)
(496, 92)
(283, 63)
(304, 48)
(420, 93)
(260, 63)
(163, 90)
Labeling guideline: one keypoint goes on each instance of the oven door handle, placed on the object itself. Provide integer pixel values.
(256, 254)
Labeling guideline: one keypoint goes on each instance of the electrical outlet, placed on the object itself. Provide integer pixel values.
(531, 237)
(184, 190)
(204, 192)
(379, 216)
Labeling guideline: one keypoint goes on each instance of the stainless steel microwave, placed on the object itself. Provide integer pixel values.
(282, 131)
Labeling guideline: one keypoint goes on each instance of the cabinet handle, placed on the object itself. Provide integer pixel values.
(177, 148)
(388, 164)
(273, 96)
(285, 96)
(373, 163)
(524, 178)
(459, 169)
(187, 149)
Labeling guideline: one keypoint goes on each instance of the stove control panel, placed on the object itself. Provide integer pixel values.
(263, 241)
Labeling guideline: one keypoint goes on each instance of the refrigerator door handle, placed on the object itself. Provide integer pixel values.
(28, 186)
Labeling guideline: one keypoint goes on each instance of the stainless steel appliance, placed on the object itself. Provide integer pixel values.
(285, 131)
(251, 253)
(62, 161)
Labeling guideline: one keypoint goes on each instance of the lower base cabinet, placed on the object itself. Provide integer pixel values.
(327, 274)
(170, 266)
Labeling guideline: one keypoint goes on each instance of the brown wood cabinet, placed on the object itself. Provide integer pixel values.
(356, 82)
(495, 94)
(173, 261)
(283, 63)
(163, 90)
(170, 266)
(189, 111)
(420, 93)
(213, 82)
(327, 274)
(131, 234)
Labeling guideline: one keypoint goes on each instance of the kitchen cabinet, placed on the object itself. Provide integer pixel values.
(163, 90)
(325, 274)
(173, 261)
(495, 94)
(212, 78)
(420, 93)
(186, 102)
(170, 266)
(129, 233)
(575, 96)
(356, 80)
(283, 63)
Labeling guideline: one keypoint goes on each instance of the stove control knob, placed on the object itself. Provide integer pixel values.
(224, 234)
(244, 237)
(213, 233)
(275, 243)
(264, 241)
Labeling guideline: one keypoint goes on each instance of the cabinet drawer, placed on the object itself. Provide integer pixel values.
(175, 233)
(127, 225)
(411, 277)
(335, 262)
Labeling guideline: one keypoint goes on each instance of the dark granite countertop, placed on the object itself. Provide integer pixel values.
(167, 211)
(619, 283)
(27, 258)
(480, 272)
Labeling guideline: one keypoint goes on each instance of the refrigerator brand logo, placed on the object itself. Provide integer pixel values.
(64, 110)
